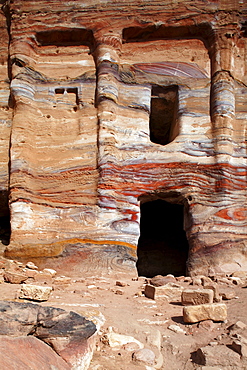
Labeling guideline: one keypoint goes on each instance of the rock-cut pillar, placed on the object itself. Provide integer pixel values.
(220, 243)
(117, 215)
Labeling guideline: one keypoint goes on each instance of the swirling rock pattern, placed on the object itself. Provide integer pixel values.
(90, 83)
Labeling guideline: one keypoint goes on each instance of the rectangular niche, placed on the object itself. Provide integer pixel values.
(163, 114)
(69, 37)
(64, 53)
(166, 46)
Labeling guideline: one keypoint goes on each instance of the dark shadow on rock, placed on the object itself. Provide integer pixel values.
(196, 358)
(176, 303)
(178, 319)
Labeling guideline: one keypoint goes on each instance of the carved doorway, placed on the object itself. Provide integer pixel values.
(163, 246)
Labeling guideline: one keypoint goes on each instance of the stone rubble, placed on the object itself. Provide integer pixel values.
(177, 337)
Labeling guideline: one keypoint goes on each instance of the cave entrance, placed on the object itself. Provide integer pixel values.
(162, 246)
(4, 218)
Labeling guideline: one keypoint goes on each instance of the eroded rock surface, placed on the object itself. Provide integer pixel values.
(68, 333)
(29, 353)
(124, 133)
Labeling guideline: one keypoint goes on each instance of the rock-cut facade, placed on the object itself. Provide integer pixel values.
(124, 132)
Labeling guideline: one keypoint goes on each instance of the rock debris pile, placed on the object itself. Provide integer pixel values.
(137, 323)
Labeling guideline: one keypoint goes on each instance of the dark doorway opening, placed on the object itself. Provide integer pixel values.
(4, 218)
(163, 115)
(163, 246)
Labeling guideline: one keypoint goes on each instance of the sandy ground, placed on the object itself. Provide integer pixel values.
(125, 310)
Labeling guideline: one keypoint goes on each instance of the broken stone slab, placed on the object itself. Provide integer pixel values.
(24, 353)
(224, 280)
(145, 356)
(35, 292)
(49, 272)
(240, 274)
(196, 296)
(12, 264)
(169, 291)
(219, 355)
(62, 280)
(176, 329)
(237, 327)
(227, 293)
(240, 346)
(215, 288)
(15, 277)
(208, 325)
(31, 266)
(43, 278)
(115, 340)
(31, 273)
(68, 333)
(160, 280)
(213, 311)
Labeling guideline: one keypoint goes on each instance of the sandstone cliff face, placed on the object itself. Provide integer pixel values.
(117, 105)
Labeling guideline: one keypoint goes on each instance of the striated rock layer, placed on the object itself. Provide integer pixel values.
(128, 133)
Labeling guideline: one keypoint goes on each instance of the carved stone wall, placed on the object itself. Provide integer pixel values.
(115, 104)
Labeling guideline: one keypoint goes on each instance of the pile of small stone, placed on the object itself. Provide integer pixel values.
(132, 349)
(201, 298)
(35, 284)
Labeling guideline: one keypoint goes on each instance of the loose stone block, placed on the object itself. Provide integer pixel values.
(160, 280)
(240, 346)
(119, 340)
(215, 288)
(227, 293)
(213, 311)
(14, 277)
(218, 356)
(145, 356)
(197, 296)
(168, 291)
(35, 292)
(238, 326)
(50, 272)
(31, 266)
